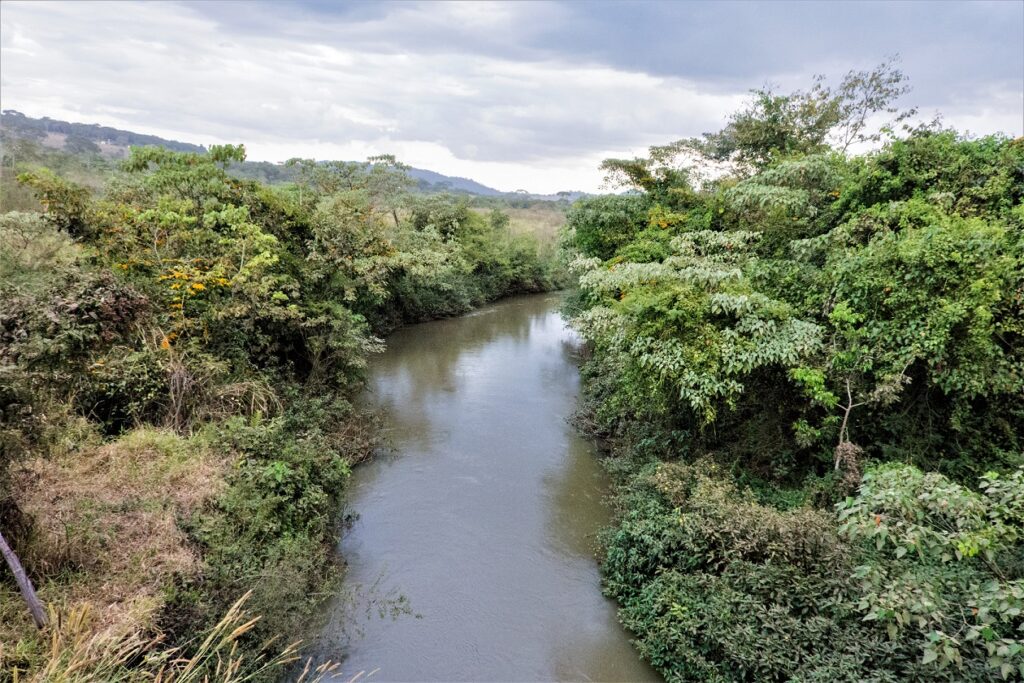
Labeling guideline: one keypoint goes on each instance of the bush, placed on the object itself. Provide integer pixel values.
(719, 587)
(278, 516)
(600, 225)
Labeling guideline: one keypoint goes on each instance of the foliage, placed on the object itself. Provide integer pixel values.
(600, 225)
(730, 590)
(775, 127)
(797, 317)
(689, 328)
(63, 202)
(720, 587)
(943, 564)
(239, 317)
(281, 502)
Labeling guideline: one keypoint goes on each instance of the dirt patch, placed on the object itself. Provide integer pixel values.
(54, 140)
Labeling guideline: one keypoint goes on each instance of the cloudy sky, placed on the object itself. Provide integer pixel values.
(515, 95)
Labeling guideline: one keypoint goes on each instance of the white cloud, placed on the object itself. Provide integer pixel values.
(446, 87)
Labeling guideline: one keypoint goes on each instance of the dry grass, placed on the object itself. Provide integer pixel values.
(541, 220)
(106, 538)
(105, 532)
(78, 653)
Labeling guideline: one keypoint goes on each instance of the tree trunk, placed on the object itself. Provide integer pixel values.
(24, 584)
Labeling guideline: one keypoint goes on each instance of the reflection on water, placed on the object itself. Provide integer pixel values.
(485, 516)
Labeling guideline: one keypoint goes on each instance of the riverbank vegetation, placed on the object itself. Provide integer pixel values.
(179, 351)
(809, 367)
(89, 155)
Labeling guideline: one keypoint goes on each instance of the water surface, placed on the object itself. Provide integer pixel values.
(485, 515)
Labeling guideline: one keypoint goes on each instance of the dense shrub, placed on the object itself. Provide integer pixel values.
(282, 502)
(721, 587)
(798, 320)
(600, 225)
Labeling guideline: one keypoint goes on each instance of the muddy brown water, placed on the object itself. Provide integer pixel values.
(485, 515)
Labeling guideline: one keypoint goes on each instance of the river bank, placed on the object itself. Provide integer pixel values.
(179, 353)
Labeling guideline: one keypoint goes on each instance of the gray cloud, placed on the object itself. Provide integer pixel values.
(516, 94)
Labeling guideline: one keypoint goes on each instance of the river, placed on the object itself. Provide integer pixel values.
(485, 515)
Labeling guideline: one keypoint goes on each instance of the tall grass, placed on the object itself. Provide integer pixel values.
(78, 654)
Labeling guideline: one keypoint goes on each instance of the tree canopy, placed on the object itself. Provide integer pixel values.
(810, 365)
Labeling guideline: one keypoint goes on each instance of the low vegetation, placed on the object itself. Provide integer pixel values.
(179, 353)
(809, 368)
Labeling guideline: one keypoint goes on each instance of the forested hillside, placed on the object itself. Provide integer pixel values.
(809, 369)
(89, 155)
(83, 137)
(26, 139)
(179, 351)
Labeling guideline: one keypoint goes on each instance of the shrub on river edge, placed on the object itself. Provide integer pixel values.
(178, 356)
(809, 369)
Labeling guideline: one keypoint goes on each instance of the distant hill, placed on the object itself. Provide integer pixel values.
(75, 137)
(426, 181)
(113, 143)
(433, 181)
